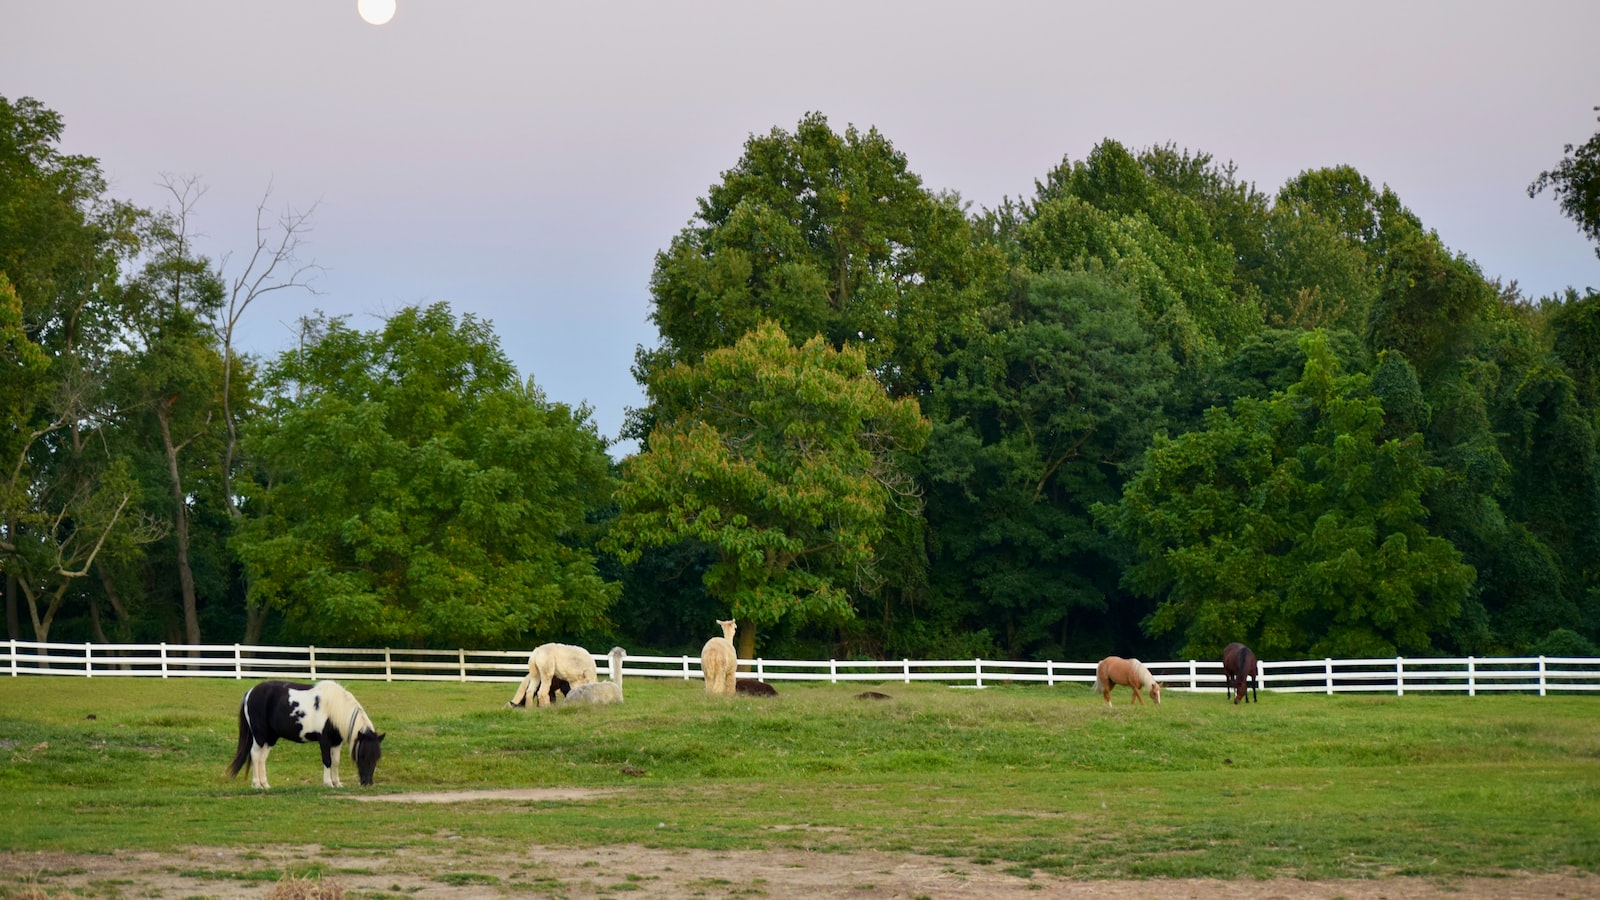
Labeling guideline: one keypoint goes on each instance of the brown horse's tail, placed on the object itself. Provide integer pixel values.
(243, 752)
(1100, 685)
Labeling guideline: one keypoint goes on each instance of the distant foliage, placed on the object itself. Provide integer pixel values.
(417, 493)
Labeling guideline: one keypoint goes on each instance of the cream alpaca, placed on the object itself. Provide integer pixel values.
(719, 661)
(548, 661)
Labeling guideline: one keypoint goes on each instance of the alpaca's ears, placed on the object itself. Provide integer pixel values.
(380, 738)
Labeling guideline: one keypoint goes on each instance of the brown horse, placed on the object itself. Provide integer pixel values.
(1114, 670)
(1240, 669)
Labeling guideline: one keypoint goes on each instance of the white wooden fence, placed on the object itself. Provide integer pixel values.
(1469, 675)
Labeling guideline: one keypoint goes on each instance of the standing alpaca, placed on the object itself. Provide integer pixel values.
(719, 662)
(552, 661)
(597, 692)
(1114, 670)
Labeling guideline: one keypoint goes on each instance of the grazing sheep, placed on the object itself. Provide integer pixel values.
(719, 662)
(597, 692)
(754, 688)
(550, 662)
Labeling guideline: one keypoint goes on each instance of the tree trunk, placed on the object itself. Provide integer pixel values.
(746, 647)
(180, 529)
(110, 587)
(255, 617)
(94, 622)
(13, 624)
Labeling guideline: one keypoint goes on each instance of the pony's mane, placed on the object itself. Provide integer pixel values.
(345, 713)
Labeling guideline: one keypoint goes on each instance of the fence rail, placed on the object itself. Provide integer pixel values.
(1468, 675)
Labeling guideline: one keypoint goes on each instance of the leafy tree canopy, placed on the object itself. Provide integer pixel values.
(785, 460)
(821, 233)
(1575, 182)
(418, 494)
(1293, 525)
(1038, 421)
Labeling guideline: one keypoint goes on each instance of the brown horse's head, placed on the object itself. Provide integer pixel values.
(1155, 692)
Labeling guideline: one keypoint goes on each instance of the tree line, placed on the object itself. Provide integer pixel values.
(1149, 409)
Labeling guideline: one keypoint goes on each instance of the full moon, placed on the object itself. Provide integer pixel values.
(376, 12)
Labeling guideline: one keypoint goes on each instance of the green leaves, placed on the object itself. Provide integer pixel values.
(825, 234)
(1575, 181)
(1292, 524)
(419, 494)
(785, 460)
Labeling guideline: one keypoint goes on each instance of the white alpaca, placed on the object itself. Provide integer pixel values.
(548, 661)
(596, 692)
(719, 661)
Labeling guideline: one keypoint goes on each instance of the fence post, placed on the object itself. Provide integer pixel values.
(1399, 676)
(312, 653)
(238, 663)
(1472, 677)
(463, 659)
(833, 671)
(13, 643)
(761, 669)
(388, 666)
(88, 664)
(977, 670)
(1327, 666)
(906, 662)
(1193, 683)
(163, 659)
(1541, 676)
(1050, 673)
(686, 668)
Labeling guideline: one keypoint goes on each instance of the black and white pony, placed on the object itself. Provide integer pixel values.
(323, 712)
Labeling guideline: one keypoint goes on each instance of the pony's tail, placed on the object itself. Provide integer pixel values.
(244, 744)
(1099, 683)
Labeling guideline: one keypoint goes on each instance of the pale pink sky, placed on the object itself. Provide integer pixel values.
(524, 159)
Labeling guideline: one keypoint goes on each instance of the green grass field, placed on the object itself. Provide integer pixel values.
(1031, 778)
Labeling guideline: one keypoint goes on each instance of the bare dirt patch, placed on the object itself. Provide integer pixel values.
(474, 873)
(536, 794)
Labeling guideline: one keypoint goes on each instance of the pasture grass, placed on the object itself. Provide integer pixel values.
(1026, 778)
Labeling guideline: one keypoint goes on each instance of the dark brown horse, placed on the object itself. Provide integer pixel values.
(1240, 669)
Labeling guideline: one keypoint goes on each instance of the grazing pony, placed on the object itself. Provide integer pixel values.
(1114, 670)
(597, 692)
(1240, 669)
(323, 712)
(719, 662)
(550, 662)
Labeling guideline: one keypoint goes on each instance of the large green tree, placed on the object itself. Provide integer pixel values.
(825, 234)
(1294, 525)
(64, 498)
(786, 461)
(417, 493)
(1038, 421)
(1149, 221)
(1575, 182)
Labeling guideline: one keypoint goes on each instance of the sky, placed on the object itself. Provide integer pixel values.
(524, 160)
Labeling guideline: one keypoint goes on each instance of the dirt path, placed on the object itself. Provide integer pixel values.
(675, 874)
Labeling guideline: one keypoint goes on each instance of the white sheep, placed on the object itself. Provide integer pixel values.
(597, 692)
(719, 661)
(550, 661)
